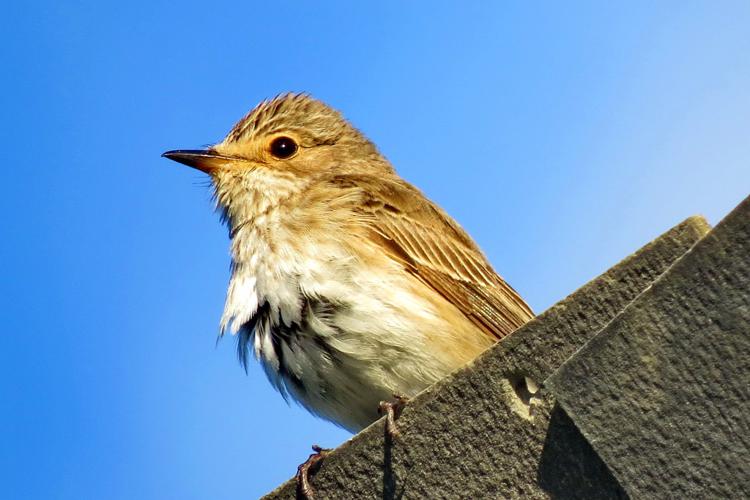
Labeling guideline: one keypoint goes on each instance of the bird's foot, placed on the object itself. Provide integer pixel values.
(392, 409)
(307, 469)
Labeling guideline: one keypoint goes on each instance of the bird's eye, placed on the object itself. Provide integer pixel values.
(283, 147)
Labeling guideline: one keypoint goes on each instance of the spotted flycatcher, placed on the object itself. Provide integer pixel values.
(348, 284)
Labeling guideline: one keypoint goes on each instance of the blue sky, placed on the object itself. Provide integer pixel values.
(562, 138)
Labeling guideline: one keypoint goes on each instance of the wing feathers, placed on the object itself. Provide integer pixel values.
(433, 247)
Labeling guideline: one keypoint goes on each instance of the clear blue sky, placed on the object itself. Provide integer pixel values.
(562, 137)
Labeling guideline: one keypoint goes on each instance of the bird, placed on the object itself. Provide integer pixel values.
(347, 283)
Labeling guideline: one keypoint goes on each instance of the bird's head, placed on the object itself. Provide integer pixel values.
(292, 139)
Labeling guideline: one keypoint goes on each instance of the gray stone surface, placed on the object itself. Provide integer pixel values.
(480, 433)
(663, 392)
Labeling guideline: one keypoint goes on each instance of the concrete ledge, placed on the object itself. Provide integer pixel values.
(488, 430)
(663, 392)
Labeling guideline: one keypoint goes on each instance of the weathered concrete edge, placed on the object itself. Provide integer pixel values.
(540, 360)
(675, 315)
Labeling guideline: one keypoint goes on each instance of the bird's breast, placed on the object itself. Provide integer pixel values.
(338, 326)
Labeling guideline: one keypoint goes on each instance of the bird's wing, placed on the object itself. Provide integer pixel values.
(415, 232)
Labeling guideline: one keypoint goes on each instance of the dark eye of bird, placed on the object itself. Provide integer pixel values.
(283, 147)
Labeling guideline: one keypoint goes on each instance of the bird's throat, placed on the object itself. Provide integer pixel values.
(244, 198)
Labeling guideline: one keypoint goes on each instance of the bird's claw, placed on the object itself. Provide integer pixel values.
(310, 467)
(392, 410)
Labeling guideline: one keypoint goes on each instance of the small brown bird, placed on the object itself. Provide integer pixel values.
(348, 284)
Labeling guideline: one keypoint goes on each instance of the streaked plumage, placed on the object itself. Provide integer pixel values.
(347, 283)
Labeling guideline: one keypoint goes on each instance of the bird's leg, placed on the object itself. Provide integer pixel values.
(392, 410)
(305, 470)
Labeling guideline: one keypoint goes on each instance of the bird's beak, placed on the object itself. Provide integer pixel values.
(205, 160)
